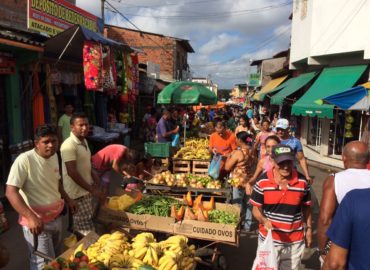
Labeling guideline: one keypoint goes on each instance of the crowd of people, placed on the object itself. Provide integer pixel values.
(261, 152)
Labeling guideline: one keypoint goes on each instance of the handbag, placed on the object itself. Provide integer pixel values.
(215, 166)
(266, 255)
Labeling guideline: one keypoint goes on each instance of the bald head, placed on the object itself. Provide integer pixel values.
(356, 152)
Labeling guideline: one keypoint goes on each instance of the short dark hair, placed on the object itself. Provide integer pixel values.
(76, 116)
(221, 122)
(45, 130)
(265, 120)
(274, 138)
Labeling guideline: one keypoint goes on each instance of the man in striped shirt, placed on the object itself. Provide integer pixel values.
(282, 202)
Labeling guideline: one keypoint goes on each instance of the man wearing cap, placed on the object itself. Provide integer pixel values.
(282, 131)
(281, 202)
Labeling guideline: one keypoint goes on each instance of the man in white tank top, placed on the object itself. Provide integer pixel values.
(355, 176)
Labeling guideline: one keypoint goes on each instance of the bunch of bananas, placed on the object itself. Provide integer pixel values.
(194, 149)
(120, 202)
(177, 254)
(107, 246)
(146, 249)
(120, 261)
(234, 182)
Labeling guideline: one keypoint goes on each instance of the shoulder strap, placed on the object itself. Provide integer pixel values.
(60, 166)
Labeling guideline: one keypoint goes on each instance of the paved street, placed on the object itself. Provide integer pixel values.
(237, 258)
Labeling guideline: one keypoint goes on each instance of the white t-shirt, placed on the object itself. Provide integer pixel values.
(350, 179)
(73, 149)
(36, 177)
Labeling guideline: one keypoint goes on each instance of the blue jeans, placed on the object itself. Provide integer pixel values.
(49, 242)
(240, 198)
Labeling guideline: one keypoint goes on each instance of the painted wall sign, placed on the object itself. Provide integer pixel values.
(54, 16)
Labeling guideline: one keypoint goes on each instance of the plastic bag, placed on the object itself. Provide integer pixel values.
(266, 255)
(175, 140)
(215, 166)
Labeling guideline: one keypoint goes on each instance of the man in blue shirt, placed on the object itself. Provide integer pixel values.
(282, 131)
(350, 233)
(163, 128)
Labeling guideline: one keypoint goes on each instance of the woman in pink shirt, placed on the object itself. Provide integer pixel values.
(261, 137)
(264, 164)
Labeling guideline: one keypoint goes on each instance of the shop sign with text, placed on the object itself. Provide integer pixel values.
(254, 79)
(54, 16)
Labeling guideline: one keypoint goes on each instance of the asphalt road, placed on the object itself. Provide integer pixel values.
(236, 257)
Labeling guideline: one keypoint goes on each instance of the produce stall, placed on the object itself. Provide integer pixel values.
(196, 218)
(119, 250)
(166, 183)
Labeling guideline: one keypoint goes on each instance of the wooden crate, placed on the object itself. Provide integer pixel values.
(200, 167)
(181, 166)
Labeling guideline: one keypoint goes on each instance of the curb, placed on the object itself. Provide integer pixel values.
(323, 166)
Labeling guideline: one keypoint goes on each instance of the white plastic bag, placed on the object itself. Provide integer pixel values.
(266, 255)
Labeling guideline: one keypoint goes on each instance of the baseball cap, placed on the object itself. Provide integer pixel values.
(282, 123)
(282, 152)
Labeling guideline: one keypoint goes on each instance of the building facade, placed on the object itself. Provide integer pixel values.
(329, 34)
(170, 53)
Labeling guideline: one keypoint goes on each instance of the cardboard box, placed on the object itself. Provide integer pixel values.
(211, 231)
(191, 228)
(133, 221)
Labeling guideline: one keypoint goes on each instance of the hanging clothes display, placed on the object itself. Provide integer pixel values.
(92, 63)
(109, 74)
(38, 100)
(89, 107)
(52, 103)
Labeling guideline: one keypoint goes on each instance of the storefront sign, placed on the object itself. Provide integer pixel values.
(55, 16)
(254, 79)
(7, 63)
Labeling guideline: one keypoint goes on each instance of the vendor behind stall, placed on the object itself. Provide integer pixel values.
(164, 132)
(111, 157)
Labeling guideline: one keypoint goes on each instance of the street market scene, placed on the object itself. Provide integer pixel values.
(184, 135)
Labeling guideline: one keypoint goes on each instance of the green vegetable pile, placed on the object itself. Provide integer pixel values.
(220, 216)
(153, 205)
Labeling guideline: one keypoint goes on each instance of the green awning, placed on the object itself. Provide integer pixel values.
(331, 81)
(291, 86)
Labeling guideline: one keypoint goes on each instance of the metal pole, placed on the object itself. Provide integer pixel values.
(360, 134)
(335, 131)
(102, 10)
(69, 42)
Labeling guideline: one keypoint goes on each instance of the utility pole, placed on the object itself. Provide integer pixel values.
(102, 10)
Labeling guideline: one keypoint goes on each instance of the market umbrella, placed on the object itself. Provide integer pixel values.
(186, 93)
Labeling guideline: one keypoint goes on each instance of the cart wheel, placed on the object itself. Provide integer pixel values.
(221, 263)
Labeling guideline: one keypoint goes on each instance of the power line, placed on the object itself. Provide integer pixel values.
(215, 15)
(137, 28)
(167, 4)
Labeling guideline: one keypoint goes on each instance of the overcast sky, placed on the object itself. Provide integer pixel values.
(225, 34)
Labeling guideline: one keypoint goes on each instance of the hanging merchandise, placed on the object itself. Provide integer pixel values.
(109, 71)
(135, 73)
(52, 104)
(38, 100)
(89, 107)
(92, 63)
(348, 125)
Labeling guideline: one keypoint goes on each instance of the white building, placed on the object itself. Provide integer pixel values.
(325, 34)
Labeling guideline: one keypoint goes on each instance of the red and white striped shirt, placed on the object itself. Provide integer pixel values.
(282, 206)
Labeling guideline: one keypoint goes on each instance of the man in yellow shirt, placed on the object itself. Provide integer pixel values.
(80, 182)
(35, 191)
